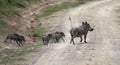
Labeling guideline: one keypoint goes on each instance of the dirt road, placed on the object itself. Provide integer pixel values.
(103, 47)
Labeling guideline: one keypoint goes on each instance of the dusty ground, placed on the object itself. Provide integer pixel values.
(103, 47)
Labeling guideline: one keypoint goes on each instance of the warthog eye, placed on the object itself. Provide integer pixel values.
(92, 29)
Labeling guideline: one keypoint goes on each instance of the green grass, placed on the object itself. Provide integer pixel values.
(84, 1)
(66, 5)
(7, 7)
(11, 60)
(38, 31)
(3, 26)
(54, 9)
(17, 56)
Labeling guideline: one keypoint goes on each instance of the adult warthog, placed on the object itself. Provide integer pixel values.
(17, 38)
(80, 31)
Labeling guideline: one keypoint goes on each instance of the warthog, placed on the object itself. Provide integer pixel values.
(17, 38)
(46, 39)
(57, 36)
(80, 31)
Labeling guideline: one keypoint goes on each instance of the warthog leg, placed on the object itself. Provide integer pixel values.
(21, 43)
(72, 40)
(18, 43)
(85, 38)
(63, 39)
(45, 42)
(81, 38)
(57, 40)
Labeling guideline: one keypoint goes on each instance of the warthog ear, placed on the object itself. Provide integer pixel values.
(83, 23)
(49, 34)
(57, 32)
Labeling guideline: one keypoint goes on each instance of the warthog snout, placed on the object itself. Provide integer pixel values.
(24, 40)
(91, 29)
(63, 35)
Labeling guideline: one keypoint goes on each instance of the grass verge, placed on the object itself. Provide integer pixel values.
(65, 5)
(3, 26)
(54, 9)
(38, 31)
(18, 55)
(7, 7)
